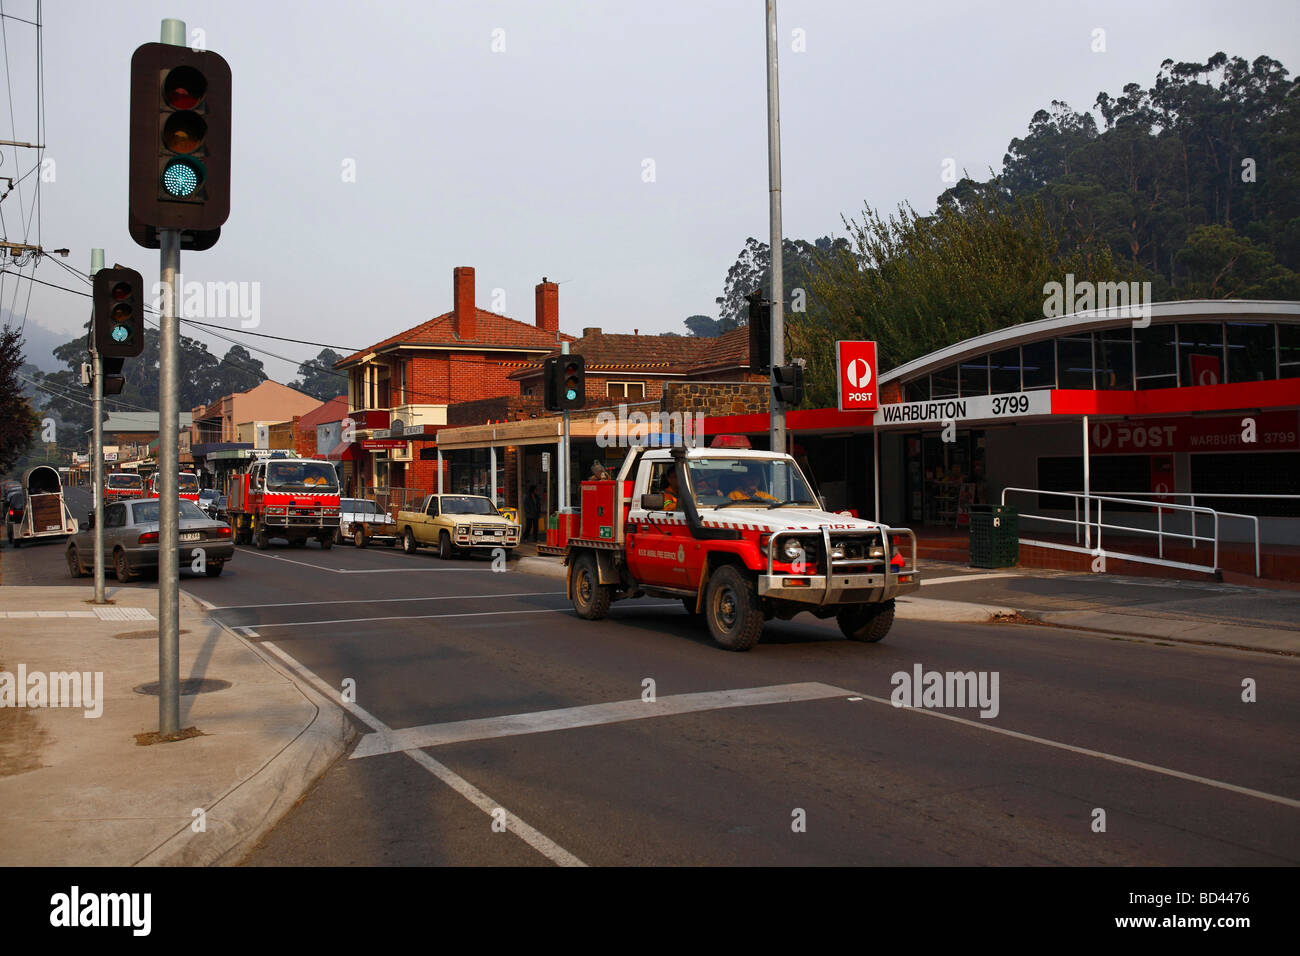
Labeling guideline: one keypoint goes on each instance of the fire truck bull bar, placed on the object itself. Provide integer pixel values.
(843, 584)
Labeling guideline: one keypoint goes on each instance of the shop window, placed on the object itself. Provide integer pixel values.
(1252, 351)
(1115, 358)
(1288, 350)
(917, 390)
(1004, 371)
(1157, 365)
(943, 384)
(1249, 473)
(1200, 353)
(1074, 360)
(975, 377)
(1039, 364)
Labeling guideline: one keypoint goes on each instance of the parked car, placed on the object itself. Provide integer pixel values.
(362, 521)
(213, 503)
(131, 540)
(454, 523)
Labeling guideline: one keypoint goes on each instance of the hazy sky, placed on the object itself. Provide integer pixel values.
(530, 160)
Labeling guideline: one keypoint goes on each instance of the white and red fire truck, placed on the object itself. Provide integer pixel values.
(291, 498)
(123, 485)
(188, 481)
(739, 537)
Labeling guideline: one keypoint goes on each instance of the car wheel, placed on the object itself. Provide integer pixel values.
(74, 562)
(359, 538)
(260, 540)
(732, 610)
(326, 543)
(590, 598)
(408, 542)
(338, 535)
(213, 569)
(866, 622)
(122, 567)
(444, 546)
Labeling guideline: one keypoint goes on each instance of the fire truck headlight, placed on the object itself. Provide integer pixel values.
(793, 549)
(837, 554)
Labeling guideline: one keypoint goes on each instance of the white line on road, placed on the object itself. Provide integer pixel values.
(321, 567)
(434, 735)
(969, 577)
(539, 842)
(417, 617)
(451, 597)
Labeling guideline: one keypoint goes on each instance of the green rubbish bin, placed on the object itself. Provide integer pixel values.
(994, 536)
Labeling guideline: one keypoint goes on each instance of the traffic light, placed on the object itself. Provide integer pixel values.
(788, 385)
(118, 294)
(114, 381)
(180, 141)
(760, 332)
(565, 382)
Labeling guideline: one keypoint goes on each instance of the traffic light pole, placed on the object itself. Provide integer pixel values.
(777, 428)
(562, 469)
(97, 452)
(169, 664)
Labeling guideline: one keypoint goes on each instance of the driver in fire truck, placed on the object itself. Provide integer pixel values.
(745, 488)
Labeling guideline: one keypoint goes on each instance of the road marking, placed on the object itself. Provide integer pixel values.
(545, 721)
(453, 597)
(417, 617)
(539, 842)
(321, 567)
(969, 577)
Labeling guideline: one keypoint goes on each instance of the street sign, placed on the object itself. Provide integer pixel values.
(855, 376)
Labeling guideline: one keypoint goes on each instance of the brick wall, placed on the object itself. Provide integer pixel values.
(741, 398)
(498, 408)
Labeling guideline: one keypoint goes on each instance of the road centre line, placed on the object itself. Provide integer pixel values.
(450, 597)
(434, 735)
(538, 841)
(321, 567)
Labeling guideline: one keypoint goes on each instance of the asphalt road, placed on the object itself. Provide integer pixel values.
(1154, 736)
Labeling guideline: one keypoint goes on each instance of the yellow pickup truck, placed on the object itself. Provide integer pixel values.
(456, 523)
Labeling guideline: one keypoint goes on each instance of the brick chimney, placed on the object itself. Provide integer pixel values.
(548, 305)
(463, 319)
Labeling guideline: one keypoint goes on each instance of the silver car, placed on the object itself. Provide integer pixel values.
(131, 540)
(361, 521)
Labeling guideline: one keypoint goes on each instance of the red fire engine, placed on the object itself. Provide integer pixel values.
(188, 481)
(739, 537)
(121, 485)
(291, 498)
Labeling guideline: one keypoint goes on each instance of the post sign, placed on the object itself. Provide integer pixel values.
(855, 376)
(1270, 431)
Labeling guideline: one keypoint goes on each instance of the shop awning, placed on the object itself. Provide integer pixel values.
(344, 451)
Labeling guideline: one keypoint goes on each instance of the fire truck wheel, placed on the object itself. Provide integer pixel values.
(590, 597)
(359, 538)
(260, 540)
(444, 546)
(732, 609)
(866, 622)
(74, 562)
(326, 542)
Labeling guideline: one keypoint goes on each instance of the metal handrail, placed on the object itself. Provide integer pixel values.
(1088, 524)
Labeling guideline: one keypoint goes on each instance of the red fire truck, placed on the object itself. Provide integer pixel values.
(291, 498)
(121, 485)
(188, 481)
(739, 537)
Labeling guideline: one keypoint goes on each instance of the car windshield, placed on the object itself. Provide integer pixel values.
(146, 512)
(301, 476)
(125, 481)
(467, 505)
(758, 481)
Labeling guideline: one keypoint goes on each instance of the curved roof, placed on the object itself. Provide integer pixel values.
(1184, 310)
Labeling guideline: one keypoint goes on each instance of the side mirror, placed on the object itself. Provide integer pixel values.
(652, 502)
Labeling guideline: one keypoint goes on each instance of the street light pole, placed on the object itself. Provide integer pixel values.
(97, 452)
(777, 428)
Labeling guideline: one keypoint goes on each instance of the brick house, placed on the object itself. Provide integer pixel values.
(306, 428)
(399, 389)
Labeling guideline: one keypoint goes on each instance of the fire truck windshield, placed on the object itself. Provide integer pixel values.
(722, 482)
(301, 476)
(189, 484)
(119, 480)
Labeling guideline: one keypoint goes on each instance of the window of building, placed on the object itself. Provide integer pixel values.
(1252, 351)
(1074, 360)
(917, 390)
(1115, 476)
(1200, 353)
(1039, 364)
(1288, 350)
(1248, 473)
(628, 390)
(943, 384)
(1004, 371)
(1157, 365)
(975, 377)
(1115, 358)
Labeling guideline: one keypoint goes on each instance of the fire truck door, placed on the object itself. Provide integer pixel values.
(657, 552)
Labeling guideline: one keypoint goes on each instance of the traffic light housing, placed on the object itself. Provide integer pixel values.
(787, 387)
(179, 142)
(118, 294)
(565, 382)
(113, 380)
(760, 332)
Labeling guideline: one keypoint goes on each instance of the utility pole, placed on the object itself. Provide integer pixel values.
(97, 452)
(562, 469)
(169, 663)
(777, 428)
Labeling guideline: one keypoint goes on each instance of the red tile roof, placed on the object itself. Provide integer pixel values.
(336, 409)
(492, 330)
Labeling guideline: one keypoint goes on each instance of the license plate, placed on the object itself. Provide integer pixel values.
(191, 536)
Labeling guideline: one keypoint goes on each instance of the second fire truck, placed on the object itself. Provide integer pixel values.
(296, 499)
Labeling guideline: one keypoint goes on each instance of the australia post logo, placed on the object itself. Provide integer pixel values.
(855, 363)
